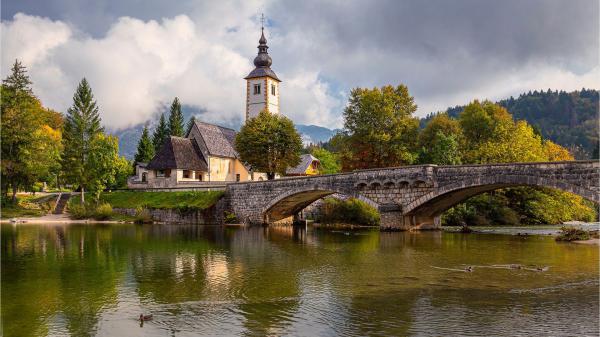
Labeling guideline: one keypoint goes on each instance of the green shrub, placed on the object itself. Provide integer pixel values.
(142, 215)
(351, 211)
(103, 212)
(568, 233)
(78, 211)
(229, 217)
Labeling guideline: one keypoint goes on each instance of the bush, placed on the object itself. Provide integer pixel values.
(572, 234)
(78, 211)
(142, 215)
(103, 212)
(351, 211)
(229, 217)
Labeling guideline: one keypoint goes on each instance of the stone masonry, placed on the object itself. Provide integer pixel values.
(410, 197)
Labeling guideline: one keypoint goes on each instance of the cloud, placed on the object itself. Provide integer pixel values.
(447, 52)
(139, 66)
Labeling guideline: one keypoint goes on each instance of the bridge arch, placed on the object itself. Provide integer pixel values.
(446, 196)
(295, 200)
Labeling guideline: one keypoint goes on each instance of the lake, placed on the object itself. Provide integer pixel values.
(223, 281)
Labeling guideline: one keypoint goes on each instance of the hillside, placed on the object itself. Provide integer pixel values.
(569, 119)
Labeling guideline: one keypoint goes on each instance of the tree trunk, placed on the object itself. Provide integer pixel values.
(14, 192)
(82, 196)
(270, 175)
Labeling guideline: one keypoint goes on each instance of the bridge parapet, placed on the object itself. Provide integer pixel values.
(418, 193)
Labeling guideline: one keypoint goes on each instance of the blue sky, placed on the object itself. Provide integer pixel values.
(138, 54)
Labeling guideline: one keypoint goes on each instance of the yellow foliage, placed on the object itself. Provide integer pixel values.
(555, 152)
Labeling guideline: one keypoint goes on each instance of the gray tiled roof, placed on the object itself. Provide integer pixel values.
(219, 140)
(305, 161)
(178, 153)
(262, 72)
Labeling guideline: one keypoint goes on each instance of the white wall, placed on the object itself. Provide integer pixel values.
(257, 103)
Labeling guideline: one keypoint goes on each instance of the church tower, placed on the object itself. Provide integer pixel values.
(262, 85)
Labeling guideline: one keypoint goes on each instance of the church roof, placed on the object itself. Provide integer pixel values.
(178, 153)
(262, 72)
(305, 161)
(219, 140)
(262, 61)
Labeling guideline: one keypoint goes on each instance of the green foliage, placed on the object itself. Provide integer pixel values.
(350, 211)
(569, 119)
(379, 128)
(26, 206)
(31, 142)
(145, 149)
(444, 150)
(184, 201)
(269, 143)
(568, 233)
(160, 133)
(190, 124)
(122, 170)
(142, 215)
(229, 218)
(330, 161)
(104, 211)
(175, 126)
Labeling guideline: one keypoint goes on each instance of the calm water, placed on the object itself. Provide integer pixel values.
(96, 280)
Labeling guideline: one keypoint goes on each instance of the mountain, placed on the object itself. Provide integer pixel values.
(567, 118)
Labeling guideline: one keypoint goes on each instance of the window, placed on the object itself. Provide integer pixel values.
(257, 89)
(160, 173)
(144, 177)
(273, 89)
(237, 177)
(187, 174)
(199, 175)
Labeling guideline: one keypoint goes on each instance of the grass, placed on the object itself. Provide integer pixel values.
(183, 201)
(27, 206)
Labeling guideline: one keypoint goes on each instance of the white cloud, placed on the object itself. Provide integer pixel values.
(139, 66)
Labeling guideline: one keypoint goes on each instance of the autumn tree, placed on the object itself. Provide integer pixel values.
(160, 133)
(175, 126)
(440, 142)
(31, 142)
(269, 143)
(379, 128)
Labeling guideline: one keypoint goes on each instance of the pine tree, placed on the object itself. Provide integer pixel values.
(176, 119)
(82, 125)
(190, 124)
(160, 133)
(145, 149)
(18, 80)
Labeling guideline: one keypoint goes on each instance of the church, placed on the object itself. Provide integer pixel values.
(207, 152)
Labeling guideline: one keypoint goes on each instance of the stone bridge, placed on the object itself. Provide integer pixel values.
(408, 197)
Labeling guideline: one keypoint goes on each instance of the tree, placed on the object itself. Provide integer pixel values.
(443, 150)
(190, 124)
(160, 133)
(269, 143)
(330, 161)
(176, 119)
(30, 147)
(101, 164)
(145, 149)
(82, 127)
(379, 128)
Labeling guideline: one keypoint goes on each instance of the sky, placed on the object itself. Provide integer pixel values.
(139, 54)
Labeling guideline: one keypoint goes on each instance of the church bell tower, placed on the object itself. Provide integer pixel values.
(262, 84)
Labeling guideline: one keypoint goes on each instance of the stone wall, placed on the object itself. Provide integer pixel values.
(210, 216)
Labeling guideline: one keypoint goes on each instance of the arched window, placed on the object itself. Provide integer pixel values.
(144, 177)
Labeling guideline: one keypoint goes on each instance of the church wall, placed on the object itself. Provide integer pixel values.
(273, 100)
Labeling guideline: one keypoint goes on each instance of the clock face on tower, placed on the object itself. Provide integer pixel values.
(262, 84)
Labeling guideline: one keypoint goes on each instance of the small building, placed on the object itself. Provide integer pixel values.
(179, 160)
(309, 166)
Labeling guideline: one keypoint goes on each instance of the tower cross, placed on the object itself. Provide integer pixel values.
(262, 20)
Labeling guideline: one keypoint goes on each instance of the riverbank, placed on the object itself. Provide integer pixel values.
(59, 219)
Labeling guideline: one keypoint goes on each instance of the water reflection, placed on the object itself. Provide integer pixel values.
(95, 280)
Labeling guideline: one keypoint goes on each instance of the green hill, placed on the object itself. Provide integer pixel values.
(567, 118)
